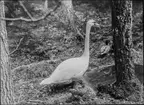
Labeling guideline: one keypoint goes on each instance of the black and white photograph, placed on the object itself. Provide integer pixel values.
(71, 52)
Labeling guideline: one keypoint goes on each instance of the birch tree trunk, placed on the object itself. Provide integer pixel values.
(7, 97)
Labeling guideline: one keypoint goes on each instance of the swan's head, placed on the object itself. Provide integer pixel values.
(92, 22)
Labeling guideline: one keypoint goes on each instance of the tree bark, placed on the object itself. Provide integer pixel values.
(67, 13)
(127, 86)
(122, 26)
(7, 97)
(46, 5)
(122, 39)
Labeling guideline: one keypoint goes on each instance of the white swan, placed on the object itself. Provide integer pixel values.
(73, 67)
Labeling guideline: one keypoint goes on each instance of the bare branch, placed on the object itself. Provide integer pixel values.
(17, 46)
(26, 10)
(32, 20)
(80, 34)
(16, 19)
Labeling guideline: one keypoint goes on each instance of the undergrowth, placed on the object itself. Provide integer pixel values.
(47, 43)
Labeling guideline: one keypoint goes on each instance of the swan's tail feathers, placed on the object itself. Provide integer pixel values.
(46, 81)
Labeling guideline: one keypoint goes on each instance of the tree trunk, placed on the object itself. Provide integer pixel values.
(46, 5)
(122, 39)
(67, 13)
(126, 85)
(7, 97)
(122, 26)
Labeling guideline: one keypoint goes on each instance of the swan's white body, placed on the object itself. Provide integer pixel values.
(68, 69)
(73, 67)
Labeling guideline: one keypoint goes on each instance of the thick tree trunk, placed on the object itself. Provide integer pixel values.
(122, 26)
(122, 39)
(6, 80)
(126, 85)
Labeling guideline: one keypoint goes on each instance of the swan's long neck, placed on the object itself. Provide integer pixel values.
(86, 49)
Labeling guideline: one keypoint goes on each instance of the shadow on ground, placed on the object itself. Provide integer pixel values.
(106, 75)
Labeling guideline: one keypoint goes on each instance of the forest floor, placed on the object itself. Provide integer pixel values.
(47, 43)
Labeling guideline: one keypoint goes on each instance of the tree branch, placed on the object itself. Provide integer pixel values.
(80, 34)
(33, 19)
(17, 46)
(20, 2)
